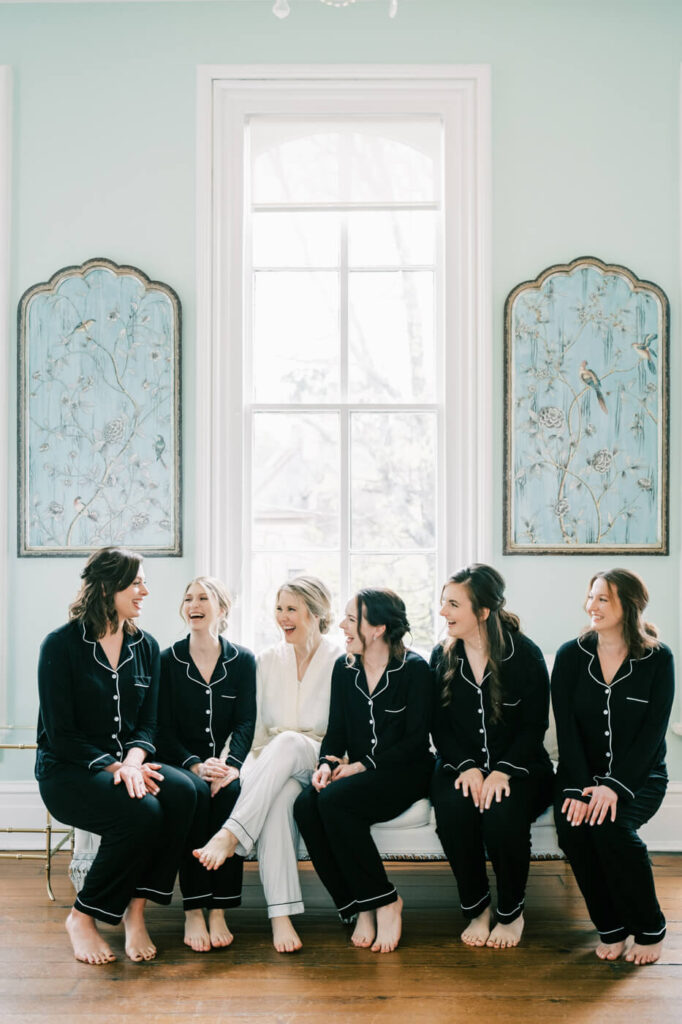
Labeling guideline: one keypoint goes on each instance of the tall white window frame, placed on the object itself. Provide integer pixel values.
(227, 98)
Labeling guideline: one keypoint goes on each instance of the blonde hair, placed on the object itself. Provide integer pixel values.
(315, 595)
(217, 589)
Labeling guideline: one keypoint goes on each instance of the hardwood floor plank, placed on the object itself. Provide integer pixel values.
(431, 979)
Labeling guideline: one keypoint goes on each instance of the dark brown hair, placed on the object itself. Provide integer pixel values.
(485, 587)
(639, 636)
(383, 607)
(106, 572)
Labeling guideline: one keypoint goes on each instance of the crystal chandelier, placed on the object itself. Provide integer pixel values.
(281, 8)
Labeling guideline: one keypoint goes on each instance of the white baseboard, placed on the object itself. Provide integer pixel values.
(21, 806)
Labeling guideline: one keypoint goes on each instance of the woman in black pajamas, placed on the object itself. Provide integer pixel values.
(98, 679)
(207, 700)
(374, 764)
(493, 775)
(612, 692)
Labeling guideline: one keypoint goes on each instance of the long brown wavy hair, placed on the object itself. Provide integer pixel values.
(106, 572)
(640, 636)
(485, 587)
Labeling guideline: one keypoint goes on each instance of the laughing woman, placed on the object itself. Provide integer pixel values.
(98, 680)
(293, 683)
(208, 703)
(374, 764)
(612, 691)
(493, 775)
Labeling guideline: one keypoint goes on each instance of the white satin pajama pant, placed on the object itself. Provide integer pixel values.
(263, 816)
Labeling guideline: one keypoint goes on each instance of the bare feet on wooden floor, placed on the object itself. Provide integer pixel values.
(477, 931)
(138, 944)
(284, 936)
(641, 955)
(216, 851)
(365, 929)
(196, 932)
(88, 944)
(610, 950)
(220, 934)
(389, 927)
(504, 936)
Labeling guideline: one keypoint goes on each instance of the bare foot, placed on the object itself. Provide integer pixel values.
(477, 931)
(389, 927)
(644, 954)
(138, 944)
(196, 933)
(88, 944)
(284, 936)
(220, 934)
(216, 851)
(365, 929)
(504, 936)
(609, 950)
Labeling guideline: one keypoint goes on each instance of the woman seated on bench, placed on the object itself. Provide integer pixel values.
(378, 721)
(293, 684)
(207, 703)
(493, 775)
(612, 691)
(98, 679)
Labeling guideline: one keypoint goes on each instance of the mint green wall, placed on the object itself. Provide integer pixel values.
(585, 161)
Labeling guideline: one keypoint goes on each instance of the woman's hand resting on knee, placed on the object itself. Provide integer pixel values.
(344, 771)
(471, 784)
(495, 786)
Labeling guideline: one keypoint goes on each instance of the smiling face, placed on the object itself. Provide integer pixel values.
(358, 636)
(458, 612)
(293, 618)
(128, 602)
(604, 607)
(200, 609)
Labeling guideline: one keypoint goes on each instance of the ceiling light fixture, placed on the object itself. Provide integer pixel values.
(281, 8)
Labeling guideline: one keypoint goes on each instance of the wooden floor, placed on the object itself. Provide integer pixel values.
(432, 978)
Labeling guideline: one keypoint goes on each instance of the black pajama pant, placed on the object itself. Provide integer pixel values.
(142, 840)
(335, 825)
(503, 831)
(201, 888)
(612, 867)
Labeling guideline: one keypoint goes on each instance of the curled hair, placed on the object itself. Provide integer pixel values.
(315, 595)
(216, 589)
(383, 607)
(639, 636)
(485, 587)
(106, 572)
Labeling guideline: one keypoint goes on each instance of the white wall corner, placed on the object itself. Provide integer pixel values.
(5, 362)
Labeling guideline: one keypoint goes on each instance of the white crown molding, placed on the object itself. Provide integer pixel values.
(5, 362)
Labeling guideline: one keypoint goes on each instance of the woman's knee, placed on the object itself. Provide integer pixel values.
(290, 748)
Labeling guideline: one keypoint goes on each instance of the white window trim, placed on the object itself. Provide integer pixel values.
(5, 350)
(464, 90)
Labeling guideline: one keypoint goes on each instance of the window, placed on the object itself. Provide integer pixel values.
(337, 337)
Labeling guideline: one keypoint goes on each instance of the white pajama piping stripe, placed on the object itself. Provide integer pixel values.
(207, 686)
(508, 913)
(114, 673)
(478, 903)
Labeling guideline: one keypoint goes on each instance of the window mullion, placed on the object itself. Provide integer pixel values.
(344, 433)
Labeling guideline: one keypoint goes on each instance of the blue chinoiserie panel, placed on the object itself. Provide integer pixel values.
(586, 412)
(99, 413)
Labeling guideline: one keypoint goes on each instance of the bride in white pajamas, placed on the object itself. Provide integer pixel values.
(293, 684)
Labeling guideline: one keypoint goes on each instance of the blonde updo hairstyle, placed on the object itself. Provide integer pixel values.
(315, 595)
(216, 589)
